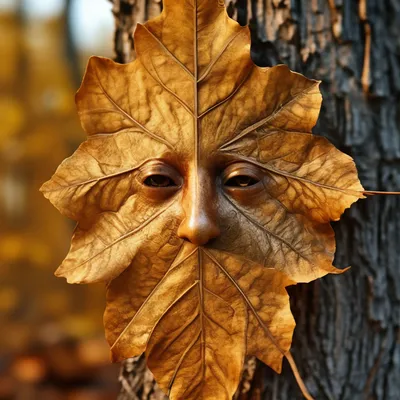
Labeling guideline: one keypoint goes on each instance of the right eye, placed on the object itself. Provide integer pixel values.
(241, 176)
(241, 181)
(159, 181)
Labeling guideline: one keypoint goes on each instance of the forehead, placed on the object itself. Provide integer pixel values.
(185, 160)
(204, 143)
(205, 138)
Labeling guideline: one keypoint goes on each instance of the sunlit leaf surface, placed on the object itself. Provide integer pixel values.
(194, 101)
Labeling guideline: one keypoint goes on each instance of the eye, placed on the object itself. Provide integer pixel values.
(240, 175)
(159, 181)
(241, 181)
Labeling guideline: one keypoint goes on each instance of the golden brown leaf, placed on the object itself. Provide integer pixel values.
(200, 195)
(193, 323)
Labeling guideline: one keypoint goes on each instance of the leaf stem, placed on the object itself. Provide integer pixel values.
(374, 192)
(297, 376)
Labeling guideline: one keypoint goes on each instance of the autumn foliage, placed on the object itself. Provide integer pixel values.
(193, 129)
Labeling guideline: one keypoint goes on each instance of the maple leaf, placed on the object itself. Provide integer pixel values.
(194, 128)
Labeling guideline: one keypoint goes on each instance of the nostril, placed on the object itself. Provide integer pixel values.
(214, 232)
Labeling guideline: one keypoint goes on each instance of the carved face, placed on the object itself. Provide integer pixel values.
(200, 195)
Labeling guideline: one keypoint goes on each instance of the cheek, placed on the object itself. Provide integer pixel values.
(158, 196)
(157, 238)
(246, 197)
(145, 210)
(229, 217)
(240, 234)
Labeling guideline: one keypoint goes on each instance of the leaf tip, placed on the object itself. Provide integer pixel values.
(45, 189)
(118, 356)
(42, 188)
(114, 357)
(94, 63)
(139, 30)
(70, 278)
(58, 273)
(338, 271)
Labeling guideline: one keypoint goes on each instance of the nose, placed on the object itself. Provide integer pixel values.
(200, 223)
(198, 229)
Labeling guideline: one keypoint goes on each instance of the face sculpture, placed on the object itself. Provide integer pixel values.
(200, 194)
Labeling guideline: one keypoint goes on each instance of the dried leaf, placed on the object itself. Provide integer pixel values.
(197, 270)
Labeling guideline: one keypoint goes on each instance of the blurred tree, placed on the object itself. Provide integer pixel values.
(347, 340)
(39, 128)
(51, 338)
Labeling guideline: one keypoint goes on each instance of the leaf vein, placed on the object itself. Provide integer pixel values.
(263, 121)
(123, 112)
(168, 52)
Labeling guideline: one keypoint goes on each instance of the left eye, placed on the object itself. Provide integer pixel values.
(159, 181)
(241, 181)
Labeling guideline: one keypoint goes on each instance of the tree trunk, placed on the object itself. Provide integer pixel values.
(347, 340)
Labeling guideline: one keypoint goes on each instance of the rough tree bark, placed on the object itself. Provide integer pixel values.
(347, 340)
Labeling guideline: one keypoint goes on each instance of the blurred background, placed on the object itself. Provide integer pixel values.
(347, 340)
(52, 343)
